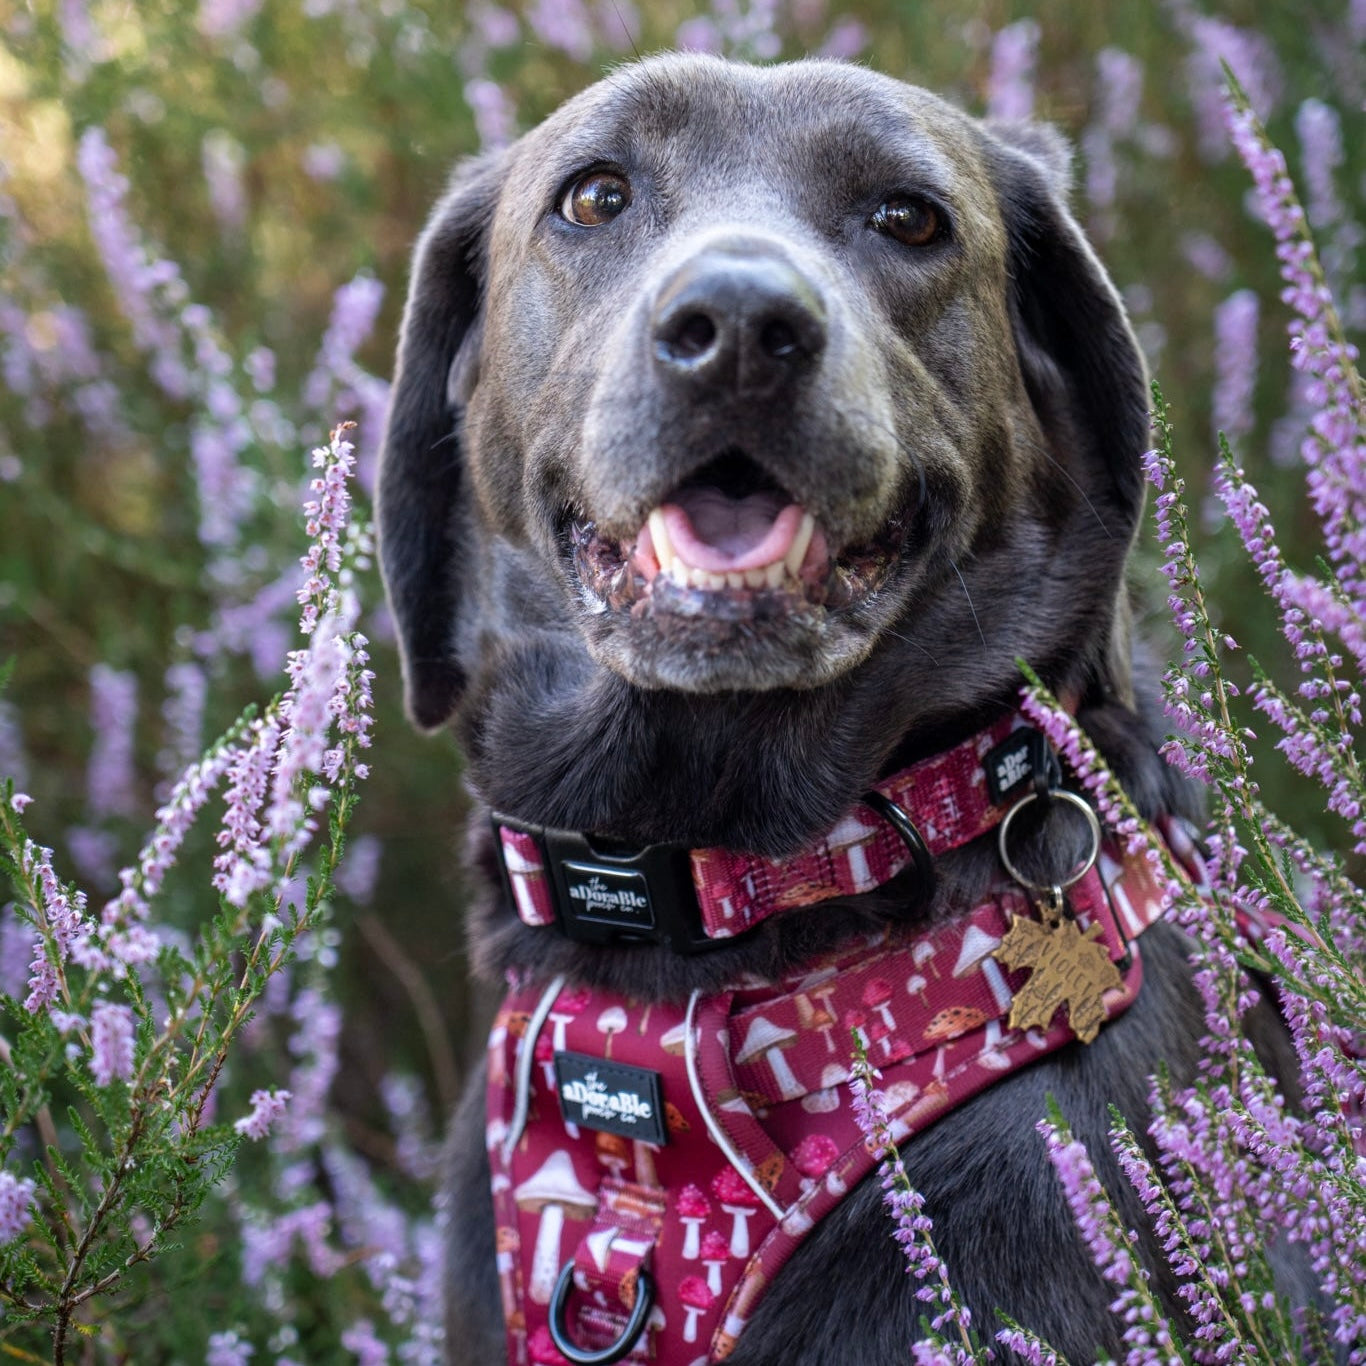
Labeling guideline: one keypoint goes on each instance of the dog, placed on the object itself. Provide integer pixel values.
(749, 424)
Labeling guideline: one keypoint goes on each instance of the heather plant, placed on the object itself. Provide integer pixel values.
(1239, 1184)
(205, 214)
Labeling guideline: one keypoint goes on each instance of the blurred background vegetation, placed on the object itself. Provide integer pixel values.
(280, 152)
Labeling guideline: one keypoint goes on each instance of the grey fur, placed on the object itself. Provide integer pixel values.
(982, 397)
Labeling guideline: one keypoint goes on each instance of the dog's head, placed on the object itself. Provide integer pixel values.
(742, 377)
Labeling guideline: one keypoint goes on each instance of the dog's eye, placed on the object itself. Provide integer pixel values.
(912, 221)
(596, 198)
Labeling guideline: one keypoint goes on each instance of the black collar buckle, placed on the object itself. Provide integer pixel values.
(608, 896)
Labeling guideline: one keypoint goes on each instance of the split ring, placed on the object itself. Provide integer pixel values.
(1082, 868)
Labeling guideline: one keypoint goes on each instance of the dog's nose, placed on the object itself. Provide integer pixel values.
(741, 320)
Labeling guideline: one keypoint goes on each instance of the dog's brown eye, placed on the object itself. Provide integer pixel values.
(596, 198)
(913, 221)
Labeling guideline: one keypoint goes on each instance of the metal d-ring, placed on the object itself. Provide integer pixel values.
(1082, 868)
(921, 858)
(635, 1325)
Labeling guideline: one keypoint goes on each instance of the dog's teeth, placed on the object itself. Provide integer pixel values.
(755, 578)
(773, 573)
(680, 573)
(800, 543)
(714, 581)
(659, 534)
(735, 579)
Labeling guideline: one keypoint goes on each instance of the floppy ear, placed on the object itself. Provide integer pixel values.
(420, 509)
(1081, 362)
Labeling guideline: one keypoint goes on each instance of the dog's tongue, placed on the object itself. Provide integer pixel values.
(710, 530)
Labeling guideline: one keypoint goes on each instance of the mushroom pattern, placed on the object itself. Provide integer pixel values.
(854, 1020)
(613, 1152)
(715, 1250)
(554, 1192)
(567, 1005)
(692, 1207)
(695, 1296)
(812, 1157)
(611, 1021)
(769, 1039)
(877, 996)
(736, 1198)
(507, 1245)
(850, 836)
(542, 1350)
(923, 953)
(915, 986)
(976, 950)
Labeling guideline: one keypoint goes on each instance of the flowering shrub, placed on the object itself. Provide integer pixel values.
(220, 1047)
(1238, 1173)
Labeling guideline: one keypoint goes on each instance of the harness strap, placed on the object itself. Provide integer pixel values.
(759, 1140)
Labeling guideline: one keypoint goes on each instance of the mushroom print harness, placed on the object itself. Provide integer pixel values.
(654, 1165)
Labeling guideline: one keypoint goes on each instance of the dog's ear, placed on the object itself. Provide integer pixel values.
(1080, 360)
(419, 511)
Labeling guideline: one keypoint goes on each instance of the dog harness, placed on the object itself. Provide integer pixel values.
(654, 1165)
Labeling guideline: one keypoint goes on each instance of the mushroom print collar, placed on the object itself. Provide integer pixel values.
(654, 1165)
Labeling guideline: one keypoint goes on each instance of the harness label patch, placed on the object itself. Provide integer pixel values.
(612, 895)
(611, 1096)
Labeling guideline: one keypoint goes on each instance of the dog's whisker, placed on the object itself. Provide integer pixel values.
(971, 608)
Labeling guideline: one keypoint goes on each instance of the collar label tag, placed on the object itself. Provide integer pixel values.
(1024, 755)
(611, 1096)
(610, 896)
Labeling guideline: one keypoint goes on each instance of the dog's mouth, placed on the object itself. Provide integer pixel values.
(731, 543)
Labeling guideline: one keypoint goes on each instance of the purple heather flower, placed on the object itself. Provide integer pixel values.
(111, 1043)
(911, 1226)
(1213, 42)
(1010, 84)
(323, 161)
(1320, 133)
(187, 690)
(227, 1349)
(260, 367)
(698, 35)
(497, 27)
(266, 1108)
(564, 24)
(16, 1205)
(355, 307)
(111, 781)
(225, 18)
(224, 160)
(360, 1340)
(359, 870)
(1235, 364)
(12, 762)
(847, 40)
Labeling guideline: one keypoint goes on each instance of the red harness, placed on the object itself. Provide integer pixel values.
(689, 1149)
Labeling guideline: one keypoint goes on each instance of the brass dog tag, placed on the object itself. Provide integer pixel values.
(1069, 969)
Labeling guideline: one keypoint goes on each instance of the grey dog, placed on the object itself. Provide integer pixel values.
(701, 280)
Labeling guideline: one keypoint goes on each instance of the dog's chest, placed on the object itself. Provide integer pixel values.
(699, 1144)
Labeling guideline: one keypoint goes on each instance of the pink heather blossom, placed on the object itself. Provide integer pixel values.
(227, 1349)
(355, 307)
(495, 117)
(266, 1108)
(16, 1205)
(182, 712)
(360, 1340)
(111, 1043)
(911, 1226)
(847, 40)
(563, 24)
(111, 779)
(224, 159)
(13, 764)
(1235, 365)
(1010, 84)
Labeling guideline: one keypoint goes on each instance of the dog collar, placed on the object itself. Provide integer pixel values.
(694, 899)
